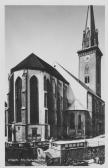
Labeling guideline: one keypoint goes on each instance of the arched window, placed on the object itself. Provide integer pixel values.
(18, 102)
(45, 83)
(79, 122)
(58, 110)
(49, 102)
(86, 71)
(34, 111)
(72, 121)
(54, 86)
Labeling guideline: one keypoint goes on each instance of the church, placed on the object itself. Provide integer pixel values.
(44, 103)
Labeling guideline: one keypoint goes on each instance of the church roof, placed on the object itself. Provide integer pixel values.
(81, 83)
(35, 63)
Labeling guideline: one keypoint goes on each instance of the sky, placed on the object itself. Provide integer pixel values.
(54, 33)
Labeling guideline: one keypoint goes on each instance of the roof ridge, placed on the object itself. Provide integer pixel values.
(36, 63)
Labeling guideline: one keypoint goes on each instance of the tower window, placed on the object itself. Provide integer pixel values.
(86, 67)
(87, 79)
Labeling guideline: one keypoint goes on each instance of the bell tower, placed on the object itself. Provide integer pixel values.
(90, 55)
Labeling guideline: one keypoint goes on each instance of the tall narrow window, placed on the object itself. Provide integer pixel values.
(11, 98)
(86, 72)
(46, 116)
(49, 102)
(18, 88)
(79, 122)
(45, 83)
(34, 111)
(45, 99)
(58, 111)
(87, 79)
(72, 121)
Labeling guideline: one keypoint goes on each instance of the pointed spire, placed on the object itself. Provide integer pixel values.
(90, 34)
(92, 21)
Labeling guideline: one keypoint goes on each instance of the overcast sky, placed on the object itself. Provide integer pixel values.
(54, 33)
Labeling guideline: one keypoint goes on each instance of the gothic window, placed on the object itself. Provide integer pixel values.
(34, 111)
(49, 102)
(64, 97)
(79, 122)
(86, 72)
(55, 90)
(45, 83)
(87, 79)
(45, 99)
(18, 88)
(58, 111)
(72, 121)
(45, 92)
(46, 116)
(54, 85)
(11, 99)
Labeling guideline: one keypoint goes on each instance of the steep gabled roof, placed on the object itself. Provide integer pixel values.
(81, 83)
(35, 63)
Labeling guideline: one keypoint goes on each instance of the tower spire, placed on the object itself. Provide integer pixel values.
(90, 34)
(92, 21)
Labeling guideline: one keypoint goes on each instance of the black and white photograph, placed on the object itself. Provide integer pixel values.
(54, 85)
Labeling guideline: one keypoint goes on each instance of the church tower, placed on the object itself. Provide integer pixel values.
(90, 55)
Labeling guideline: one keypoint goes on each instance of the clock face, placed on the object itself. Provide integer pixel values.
(87, 58)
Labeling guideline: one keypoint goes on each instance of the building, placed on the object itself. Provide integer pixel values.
(37, 98)
(85, 116)
(42, 103)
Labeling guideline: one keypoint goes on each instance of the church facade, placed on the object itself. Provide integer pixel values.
(37, 98)
(42, 103)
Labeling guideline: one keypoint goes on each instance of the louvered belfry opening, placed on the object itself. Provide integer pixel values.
(34, 107)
